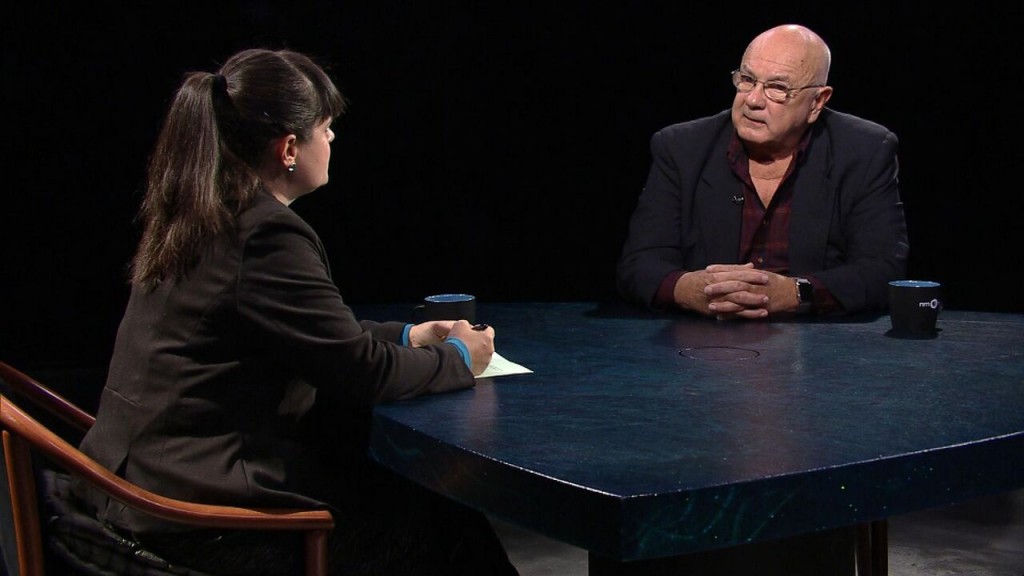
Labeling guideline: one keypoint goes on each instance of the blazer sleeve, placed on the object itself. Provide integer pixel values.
(652, 250)
(290, 305)
(665, 232)
(867, 240)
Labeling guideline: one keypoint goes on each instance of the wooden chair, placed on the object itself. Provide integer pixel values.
(24, 437)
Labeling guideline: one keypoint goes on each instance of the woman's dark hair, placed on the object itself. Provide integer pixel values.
(217, 133)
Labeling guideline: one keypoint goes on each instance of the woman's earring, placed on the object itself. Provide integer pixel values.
(292, 167)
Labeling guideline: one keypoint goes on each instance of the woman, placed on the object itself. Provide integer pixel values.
(239, 376)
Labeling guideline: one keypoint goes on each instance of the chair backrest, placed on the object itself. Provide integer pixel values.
(23, 436)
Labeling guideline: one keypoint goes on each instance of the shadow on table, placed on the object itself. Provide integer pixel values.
(622, 309)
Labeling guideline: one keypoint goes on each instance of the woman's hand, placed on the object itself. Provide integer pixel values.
(427, 333)
(479, 341)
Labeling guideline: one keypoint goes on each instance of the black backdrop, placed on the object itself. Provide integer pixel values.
(491, 147)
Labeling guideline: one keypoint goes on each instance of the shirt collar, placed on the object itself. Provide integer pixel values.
(737, 154)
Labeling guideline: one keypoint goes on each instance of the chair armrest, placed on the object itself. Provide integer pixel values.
(24, 385)
(206, 515)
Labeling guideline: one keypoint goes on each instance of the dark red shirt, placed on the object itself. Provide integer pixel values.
(764, 234)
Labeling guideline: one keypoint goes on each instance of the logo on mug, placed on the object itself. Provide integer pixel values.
(934, 304)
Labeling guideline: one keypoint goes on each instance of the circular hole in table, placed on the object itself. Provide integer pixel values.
(718, 353)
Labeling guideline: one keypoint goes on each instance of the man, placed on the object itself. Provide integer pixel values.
(780, 206)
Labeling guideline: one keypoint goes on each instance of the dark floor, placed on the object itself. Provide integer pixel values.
(983, 537)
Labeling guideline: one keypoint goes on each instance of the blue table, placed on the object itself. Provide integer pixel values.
(642, 436)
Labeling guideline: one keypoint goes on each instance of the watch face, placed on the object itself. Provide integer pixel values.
(806, 291)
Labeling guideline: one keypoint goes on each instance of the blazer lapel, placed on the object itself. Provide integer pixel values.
(814, 198)
(716, 208)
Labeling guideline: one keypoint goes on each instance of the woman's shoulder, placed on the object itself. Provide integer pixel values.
(265, 210)
(268, 225)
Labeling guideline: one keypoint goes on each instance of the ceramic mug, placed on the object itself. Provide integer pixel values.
(447, 307)
(914, 307)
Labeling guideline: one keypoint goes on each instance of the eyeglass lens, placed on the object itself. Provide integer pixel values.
(775, 91)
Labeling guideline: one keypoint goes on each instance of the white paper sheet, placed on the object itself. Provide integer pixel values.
(500, 366)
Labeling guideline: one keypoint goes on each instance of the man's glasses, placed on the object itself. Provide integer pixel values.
(774, 91)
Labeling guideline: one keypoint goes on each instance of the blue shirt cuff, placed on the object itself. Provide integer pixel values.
(461, 347)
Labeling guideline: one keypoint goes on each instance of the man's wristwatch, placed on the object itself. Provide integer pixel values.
(804, 295)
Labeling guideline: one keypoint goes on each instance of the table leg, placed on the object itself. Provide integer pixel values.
(880, 547)
(873, 549)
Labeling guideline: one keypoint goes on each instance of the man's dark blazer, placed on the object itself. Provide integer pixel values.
(248, 381)
(847, 227)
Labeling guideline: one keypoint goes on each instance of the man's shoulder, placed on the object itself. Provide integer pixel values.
(707, 124)
(847, 138)
(846, 123)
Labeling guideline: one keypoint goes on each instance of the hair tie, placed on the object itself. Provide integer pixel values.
(220, 83)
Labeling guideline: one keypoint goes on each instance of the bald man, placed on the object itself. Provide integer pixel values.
(776, 207)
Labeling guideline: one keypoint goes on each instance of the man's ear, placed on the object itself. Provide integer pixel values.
(285, 151)
(820, 99)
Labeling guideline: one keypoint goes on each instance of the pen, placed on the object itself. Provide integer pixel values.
(480, 327)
